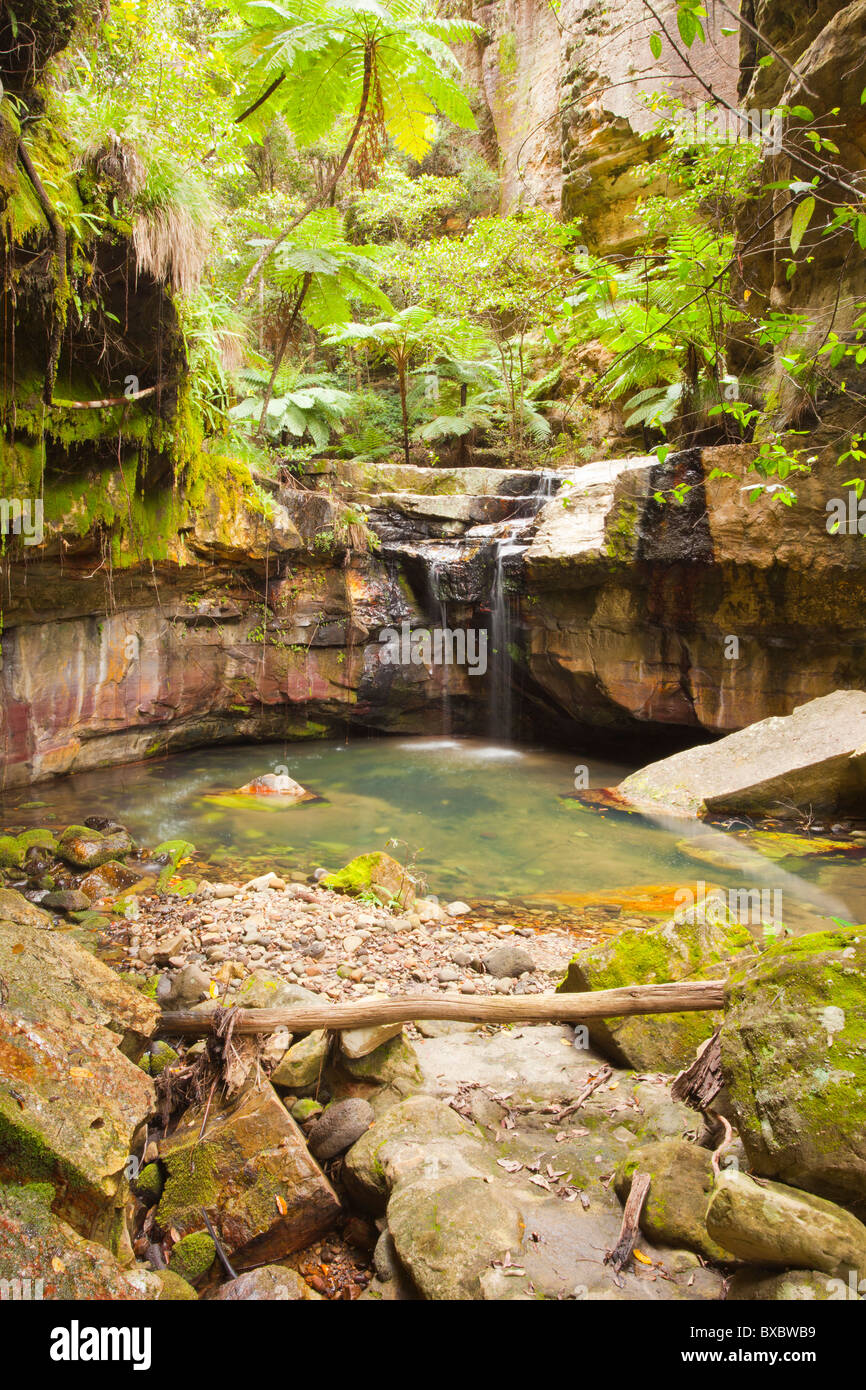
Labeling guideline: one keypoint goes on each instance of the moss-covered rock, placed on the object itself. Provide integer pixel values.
(192, 1256)
(157, 1057)
(681, 1183)
(375, 874)
(13, 848)
(70, 1099)
(38, 1246)
(149, 1183)
(252, 1173)
(768, 1223)
(175, 1288)
(169, 854)
(794, 1058)
(84, 848)
(675, 951)
(303, 1063)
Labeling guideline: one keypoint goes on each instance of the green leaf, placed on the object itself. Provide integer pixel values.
(656, 46)
(802, 218)
(802, 113)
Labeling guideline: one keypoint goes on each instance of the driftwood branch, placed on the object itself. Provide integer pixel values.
(620, 1255)
(701, 1082)
(687, 996)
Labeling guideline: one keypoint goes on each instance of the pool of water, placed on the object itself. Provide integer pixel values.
(480, 820)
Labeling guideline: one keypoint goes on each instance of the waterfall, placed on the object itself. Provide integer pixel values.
(504, 609)
(438, 610)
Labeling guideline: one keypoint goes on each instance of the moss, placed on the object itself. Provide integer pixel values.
(174, 1288)
(192, 1256)
(176, 850)
(190, 1183)
(158, 1058)
(149, 1183)
(622, 532)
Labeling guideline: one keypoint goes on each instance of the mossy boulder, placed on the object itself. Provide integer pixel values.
(149, 1183)
(681, 1183)
(38, 1246)
(677, 950)
(71, 1096)
(418, 1125)
(175, 1288)
(84, 848)
(769, 1223)
(303, 1064)
(169, 854)
(13, 848)
(385, 1076)
(375, 874)
(794, 1058)
(108, 880)
(251, 1171)
(192, 1256)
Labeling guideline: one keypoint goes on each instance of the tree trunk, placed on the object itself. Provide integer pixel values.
(404, 407)
(685, 997)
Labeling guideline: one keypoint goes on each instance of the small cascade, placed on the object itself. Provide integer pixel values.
(438, 610)
(507, 546)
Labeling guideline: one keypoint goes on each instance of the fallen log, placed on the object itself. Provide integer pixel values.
(687, 996)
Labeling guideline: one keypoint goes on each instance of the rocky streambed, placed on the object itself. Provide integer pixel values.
(428, 1161)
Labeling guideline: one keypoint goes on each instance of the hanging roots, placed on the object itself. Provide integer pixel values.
(373, 143)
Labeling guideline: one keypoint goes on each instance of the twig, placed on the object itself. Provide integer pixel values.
(604, 1075)
(726, 1143)
(223, 1258)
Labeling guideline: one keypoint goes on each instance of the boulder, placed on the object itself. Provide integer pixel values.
(84, 848)
(192, 1256)
(447, 1233)
(637, 956)
(766, 1223)
(303, 1063)
(252, 1173)
(53, 1261)
(339, 1126)
(794, 1059)
(16, 909)
(507, 959)
(71, 1095)
(261, 990)
(271, 1283)
(274, 784)
(407, 1133)
(377, 874)
(812, 759)
(681, 1182)
(358, 1042)
(392, 1068)
(188, 987)
(67, 900)
(13, 848)
(108, 880)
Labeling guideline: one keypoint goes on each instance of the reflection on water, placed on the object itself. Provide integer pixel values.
(480, 819)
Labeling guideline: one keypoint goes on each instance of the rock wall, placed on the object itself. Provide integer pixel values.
(563, 89)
